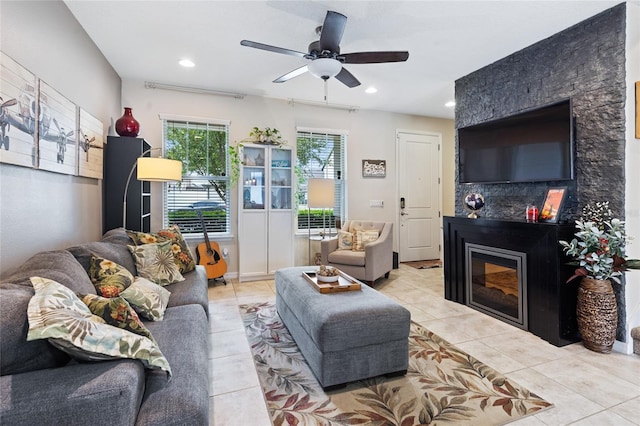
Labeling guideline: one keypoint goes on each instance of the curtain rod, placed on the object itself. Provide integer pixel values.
(189, 89)
(350, 108)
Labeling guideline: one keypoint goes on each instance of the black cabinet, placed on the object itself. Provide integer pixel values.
(121, 153)
(551, 301)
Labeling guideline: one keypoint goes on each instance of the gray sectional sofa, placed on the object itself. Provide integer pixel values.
(40, 384)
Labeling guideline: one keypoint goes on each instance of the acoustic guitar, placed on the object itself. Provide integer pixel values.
(209, 255)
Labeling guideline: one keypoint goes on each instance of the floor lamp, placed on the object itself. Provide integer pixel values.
(320, 194)
(154, 170)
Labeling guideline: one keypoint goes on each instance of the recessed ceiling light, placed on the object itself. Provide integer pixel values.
(450, 104)
(371, 89)
(187, 63)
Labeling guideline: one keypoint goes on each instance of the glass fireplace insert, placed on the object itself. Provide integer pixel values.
(496, 283)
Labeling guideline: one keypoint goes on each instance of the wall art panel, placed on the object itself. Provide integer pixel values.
(18, 102)
(57, 139)
(91, 146)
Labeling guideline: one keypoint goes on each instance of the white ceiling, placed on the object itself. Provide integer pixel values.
(143, 40)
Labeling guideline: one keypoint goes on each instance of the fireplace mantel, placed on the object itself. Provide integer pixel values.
(551, 301)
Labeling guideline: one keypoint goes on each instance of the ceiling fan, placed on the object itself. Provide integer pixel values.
(324, 54)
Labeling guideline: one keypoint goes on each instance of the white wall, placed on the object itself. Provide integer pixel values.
(371, 135)
(42, 210)
(632, 201)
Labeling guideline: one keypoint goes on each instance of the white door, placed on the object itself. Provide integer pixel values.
(419, 196)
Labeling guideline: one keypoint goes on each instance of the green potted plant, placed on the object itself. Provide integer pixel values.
(598, 250)
(266, 136)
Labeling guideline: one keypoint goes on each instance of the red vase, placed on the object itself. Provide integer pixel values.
(127, 125)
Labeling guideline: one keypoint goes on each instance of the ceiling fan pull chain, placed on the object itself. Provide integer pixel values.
(326, 90)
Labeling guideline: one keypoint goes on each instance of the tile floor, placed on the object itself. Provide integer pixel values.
(587, 388)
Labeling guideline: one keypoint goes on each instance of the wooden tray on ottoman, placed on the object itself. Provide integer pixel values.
(344, 283)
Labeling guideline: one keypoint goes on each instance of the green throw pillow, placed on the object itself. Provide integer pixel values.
(155, 263)
(116, 312)
(57, 314)
(181, 253)
(148, 299)
(108, 277)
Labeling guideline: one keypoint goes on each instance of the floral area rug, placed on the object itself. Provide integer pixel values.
(443, 385)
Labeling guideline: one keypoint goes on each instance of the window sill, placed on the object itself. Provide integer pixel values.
(212, 237)
(302, 233)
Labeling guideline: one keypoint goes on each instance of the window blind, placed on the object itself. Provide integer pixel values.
(320, 154)
(202, 148)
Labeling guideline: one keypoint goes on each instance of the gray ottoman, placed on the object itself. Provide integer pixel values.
(345, 336)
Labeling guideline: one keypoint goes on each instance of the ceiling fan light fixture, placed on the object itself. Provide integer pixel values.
(324, 67)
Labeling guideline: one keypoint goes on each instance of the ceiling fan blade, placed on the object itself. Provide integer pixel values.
(374, 57)
(347, 78)
(332, 30)
(291, 74)
(269, 48)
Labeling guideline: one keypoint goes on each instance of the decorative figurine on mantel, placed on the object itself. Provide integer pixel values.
(473, 202)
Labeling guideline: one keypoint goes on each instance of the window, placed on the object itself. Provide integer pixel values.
(202, 148)
(320, 154)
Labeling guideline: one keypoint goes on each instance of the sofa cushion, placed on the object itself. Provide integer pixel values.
(183, 336)
(117, 312)
(57, 314)
(115, 252)
(17, 355)
(117, 236)
(76, 395)
(155, 263)
(181, 253)
(147, 298)
(109, 278)
(59, 265)
(191, 291)
(347, 257)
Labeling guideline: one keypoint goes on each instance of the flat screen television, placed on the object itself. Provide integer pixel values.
(533, 146)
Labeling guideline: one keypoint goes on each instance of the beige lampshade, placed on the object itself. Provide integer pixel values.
(321, 193)
(159, 169)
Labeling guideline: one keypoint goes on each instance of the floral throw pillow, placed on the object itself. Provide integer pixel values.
(108, 277)
(147, 298)
(181, 253)
(155, 263)
(363, 238)
(345, 240)
(116, 312)
(57, 314)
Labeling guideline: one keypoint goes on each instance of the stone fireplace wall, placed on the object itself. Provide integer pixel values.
(586, 63)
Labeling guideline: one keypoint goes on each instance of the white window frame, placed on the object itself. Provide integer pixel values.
(343, 134)
(230, 193)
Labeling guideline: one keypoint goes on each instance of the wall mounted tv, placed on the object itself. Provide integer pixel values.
(533, 146)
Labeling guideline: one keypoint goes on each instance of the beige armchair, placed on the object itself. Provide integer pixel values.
(375, 261)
